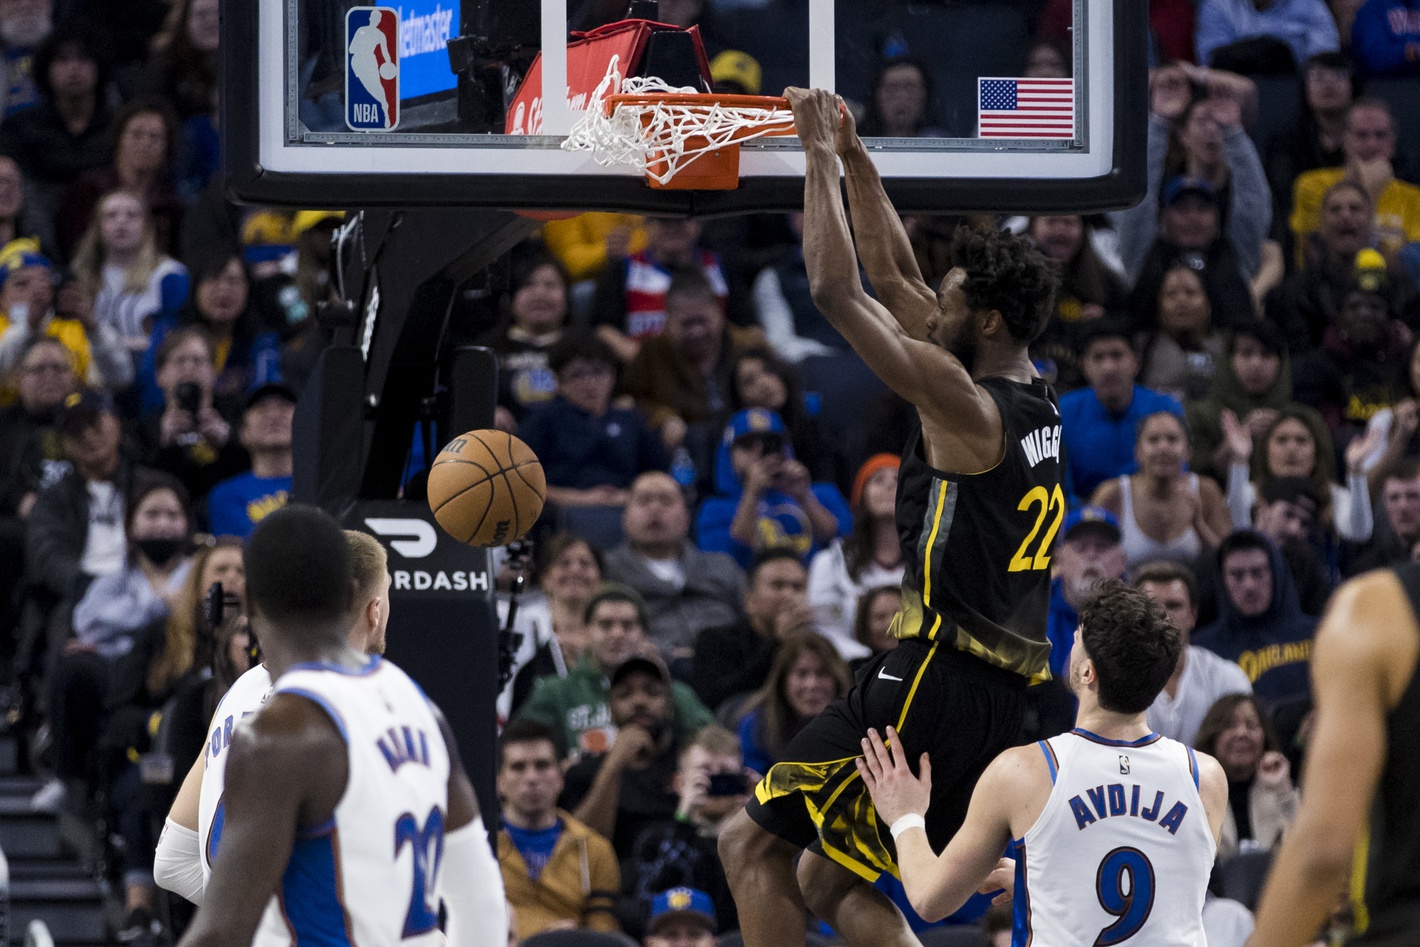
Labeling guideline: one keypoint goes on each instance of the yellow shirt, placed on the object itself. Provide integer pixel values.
(1397, 212)
(580, 242)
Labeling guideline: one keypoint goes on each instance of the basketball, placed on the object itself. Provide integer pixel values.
(486, 488)
(389, 70)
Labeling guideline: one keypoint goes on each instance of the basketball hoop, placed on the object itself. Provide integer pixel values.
(679, 138)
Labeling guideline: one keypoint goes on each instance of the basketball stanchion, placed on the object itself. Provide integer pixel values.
(679, 138)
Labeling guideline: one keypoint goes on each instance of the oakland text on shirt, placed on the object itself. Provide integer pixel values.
(1115, 800)
(404, 745)
(1042, 444)
(259, 508)
(1259, 662)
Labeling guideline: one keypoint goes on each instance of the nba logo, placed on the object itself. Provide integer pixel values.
(371, 68)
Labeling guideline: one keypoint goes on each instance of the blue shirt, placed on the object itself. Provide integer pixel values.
(579, 451)
(1060, 625)
(782, 522)
(1099, 444)
(535, 845)
(235, 506)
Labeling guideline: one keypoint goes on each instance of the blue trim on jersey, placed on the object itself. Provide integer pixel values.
(368, 667)
(324, 704)
(1049, 759)
(214, 832)
(1192, 765)
(1020, 918)
(1096, 738)
(311, 894)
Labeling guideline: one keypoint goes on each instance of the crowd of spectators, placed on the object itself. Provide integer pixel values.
(1236, 359)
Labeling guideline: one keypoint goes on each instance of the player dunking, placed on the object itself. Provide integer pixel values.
(1358, 817)
(979, 504)
(1114, 827)
(344, 794)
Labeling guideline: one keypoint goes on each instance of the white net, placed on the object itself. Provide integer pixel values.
(667, 135)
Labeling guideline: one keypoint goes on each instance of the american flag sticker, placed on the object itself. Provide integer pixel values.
(1026, 108)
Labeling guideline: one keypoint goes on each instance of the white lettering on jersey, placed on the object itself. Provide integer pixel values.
(1042, 444)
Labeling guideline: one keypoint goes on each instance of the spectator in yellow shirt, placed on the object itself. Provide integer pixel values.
(1368, 145)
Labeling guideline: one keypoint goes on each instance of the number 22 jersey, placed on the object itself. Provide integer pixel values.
(369, 876)
(1122, 851)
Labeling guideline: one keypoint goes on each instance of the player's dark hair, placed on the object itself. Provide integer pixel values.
(1133, 645)
(1008, 273)
(298, 567)
(523, 730)
(1166, 573)
(689, 282)
(582, 345)
(766, 556)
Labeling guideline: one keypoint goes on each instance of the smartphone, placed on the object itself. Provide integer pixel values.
(188, 396)
(727, 784)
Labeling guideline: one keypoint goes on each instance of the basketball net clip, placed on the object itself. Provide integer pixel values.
(678, 137)
(519, 557)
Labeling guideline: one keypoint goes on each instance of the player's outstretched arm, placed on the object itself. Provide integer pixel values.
(287, 768)
(1357, 672)
(473, 882)
(882, 241)
(921, 372)
(177, 864)
(938, 885)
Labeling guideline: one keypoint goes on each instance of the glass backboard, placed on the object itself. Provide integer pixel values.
(1000, 105)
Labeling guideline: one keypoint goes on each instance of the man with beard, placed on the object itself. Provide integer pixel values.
(979, 504)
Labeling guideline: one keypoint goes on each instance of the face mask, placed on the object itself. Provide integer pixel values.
(159, 551)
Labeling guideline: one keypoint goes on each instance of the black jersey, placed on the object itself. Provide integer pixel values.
(1385, 888)
(977, 546)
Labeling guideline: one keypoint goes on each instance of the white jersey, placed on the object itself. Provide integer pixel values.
(369, 876)
(1122, 851)
(243, 698)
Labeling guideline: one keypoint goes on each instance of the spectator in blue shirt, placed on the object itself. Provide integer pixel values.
(766, 498)
(1099, 422)
(1306, 26)
(589, 450)
(236, 505)
(1385, 39)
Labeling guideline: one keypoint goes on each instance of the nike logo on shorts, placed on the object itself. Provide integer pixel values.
(883, 674)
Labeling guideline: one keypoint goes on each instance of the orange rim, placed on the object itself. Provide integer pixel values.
(704, 99)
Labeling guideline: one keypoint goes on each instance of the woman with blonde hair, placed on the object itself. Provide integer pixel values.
(119, 264)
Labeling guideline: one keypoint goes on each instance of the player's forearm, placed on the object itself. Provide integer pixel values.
(917, 863)
(829, 256)
(1307, 879)
(883, 245)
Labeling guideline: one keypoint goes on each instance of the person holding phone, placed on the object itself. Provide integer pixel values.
(193, 436)
(765, 495)
(712, 784)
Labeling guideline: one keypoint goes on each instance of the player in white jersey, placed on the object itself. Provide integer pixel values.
(344, 795)
(186, 849)
(1114, 828)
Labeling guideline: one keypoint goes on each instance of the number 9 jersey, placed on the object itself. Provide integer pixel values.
(1122, 851)
(978, 545)
(370, 876)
